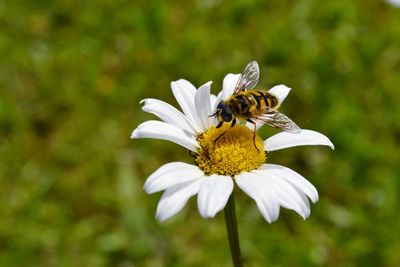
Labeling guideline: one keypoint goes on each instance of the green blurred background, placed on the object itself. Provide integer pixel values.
(72, 74)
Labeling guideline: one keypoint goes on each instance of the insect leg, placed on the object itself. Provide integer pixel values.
(254, 133)
(220, 124)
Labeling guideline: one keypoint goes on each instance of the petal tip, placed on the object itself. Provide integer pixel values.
(147, 189)
(206, 216)
(177, 81)
(209, 83)
(270, 221)
(327, 142)
(175, 84)
(135, 134)
(162, 215)
(315, 199)
(181, 83)
(161, 218)
(281, 91)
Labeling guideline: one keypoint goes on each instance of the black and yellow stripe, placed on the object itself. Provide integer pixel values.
(251, 103)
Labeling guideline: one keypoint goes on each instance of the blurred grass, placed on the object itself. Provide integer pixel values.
(72, 74)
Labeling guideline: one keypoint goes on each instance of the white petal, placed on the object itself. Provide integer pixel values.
(170, 175)
(175, 198)
(203, 106)
(213, 100)
(289, 197)
(214, 103)
(304, 138)
(165, 131)
(294, 178)
(264, 196)
(214, 194)
(305, 200)
(167, 113)
(280, 91)
(184, 93)
(228, 85)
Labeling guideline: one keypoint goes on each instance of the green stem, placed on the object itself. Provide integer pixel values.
(231, 227)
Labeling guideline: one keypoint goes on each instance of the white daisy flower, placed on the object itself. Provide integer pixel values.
(219, 164)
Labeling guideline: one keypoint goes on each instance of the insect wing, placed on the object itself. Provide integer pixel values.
(278, 120)
(249, 77)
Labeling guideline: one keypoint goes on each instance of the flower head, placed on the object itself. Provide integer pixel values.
(223, 157)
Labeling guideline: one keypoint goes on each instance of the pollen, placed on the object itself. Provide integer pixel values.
(229, 150)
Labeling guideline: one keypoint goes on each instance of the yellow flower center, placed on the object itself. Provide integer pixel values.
(229, 150)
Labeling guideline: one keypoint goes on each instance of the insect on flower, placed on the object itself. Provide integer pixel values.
(252, 105)
(232, 161)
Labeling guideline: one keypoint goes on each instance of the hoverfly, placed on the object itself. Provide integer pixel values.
(251, 105)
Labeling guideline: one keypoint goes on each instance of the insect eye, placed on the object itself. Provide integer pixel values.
(226, 116)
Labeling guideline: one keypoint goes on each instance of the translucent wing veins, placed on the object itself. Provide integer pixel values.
(278, 120)
(249, 77)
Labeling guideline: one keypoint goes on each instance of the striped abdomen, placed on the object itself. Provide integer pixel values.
(251, 103)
